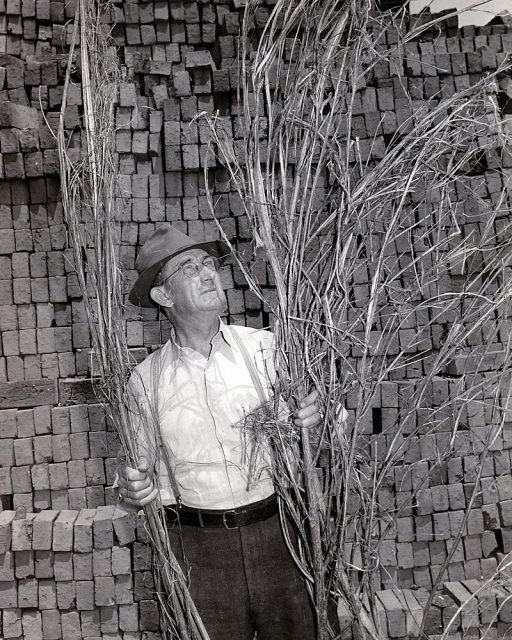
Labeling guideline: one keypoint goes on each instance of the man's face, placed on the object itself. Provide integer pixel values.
(202, 292)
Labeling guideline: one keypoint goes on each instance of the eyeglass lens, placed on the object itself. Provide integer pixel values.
(190, 269)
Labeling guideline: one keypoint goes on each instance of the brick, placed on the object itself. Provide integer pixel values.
(190, 156)
(60, 417)
(85, 595)
(462, 596)
(7, 453)
(42, 528)
(24, 564)
(104, 591)
(43, 564)
(472, 547)
(95, 471)
(27, 394)
(102, 562)
(8, 595)
(123, 589)
(58, 476)
(144, 585)
(82, 566)
(18, 116)
(95, 497)
(181, 81)
(28, 593)
(121, 561)
(148, 611)
(8, 424)
(77, 499)
(43, 451)
(13, 165)
(7, 566)
(124, 524)
(109, 620)
(129, 617)
(7, 241)
(195, 59)
(11, 623)
(23, 451)
(42, 421)
(23, 503)
(91, 623)
(22, 533)
(61, 448)
(83, 530)
(63, 567)
(52, 629)
(76, 472)
(25, 423)
(32, 625)
(42, 499)
(70, 622)
(103, 528)
(141, 557)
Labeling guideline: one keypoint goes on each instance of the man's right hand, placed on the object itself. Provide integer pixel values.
(136, 487)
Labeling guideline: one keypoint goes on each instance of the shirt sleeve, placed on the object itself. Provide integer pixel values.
(144, 416)
(137, 433)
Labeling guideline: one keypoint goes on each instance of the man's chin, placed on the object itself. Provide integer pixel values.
(214, 304)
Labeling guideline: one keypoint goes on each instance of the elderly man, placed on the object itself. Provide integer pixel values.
(222, 511)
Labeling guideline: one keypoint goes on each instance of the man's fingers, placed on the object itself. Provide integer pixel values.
(143, 464)
(140, 501)
(149, 498)
(134, 491)
(131, 474)
(135, 485)
(307, 411)
(309, 399)
(311, 421)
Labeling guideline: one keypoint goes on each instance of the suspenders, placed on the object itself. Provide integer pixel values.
(253, 372)
(156, 368)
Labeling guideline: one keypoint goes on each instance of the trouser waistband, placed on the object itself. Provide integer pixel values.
(217, 518)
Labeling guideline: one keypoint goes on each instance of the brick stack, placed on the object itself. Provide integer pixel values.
(76, 574)
(56, 457)
(87, 574)
(57, 452)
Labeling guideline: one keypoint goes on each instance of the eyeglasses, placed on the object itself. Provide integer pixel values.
(191, 268)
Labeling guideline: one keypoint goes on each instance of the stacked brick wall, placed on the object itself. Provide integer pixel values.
(76, 574)
(57, 453)
(56, 457)
(86, 574)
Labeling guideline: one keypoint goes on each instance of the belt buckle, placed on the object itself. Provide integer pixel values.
(224, 522)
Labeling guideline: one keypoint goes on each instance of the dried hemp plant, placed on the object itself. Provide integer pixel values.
(387, 265)
(88, 190)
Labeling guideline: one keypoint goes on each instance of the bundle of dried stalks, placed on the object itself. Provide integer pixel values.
(88, 190)
(324, 210)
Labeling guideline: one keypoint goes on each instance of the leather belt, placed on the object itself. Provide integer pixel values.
(229, 519)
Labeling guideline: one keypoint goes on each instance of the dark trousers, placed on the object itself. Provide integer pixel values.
(244, 580)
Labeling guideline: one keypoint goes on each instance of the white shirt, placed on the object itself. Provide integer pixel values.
(201, 405)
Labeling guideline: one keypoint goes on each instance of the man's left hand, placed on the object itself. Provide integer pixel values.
(308, 414)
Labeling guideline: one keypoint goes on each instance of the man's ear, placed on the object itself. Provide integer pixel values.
(161, 297)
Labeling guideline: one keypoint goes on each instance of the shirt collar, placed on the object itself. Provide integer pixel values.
(227, 333)
(223, 338)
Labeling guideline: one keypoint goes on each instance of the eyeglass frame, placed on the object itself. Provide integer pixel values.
(198, 266)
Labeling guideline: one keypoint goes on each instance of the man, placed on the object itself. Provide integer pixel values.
(222, 510)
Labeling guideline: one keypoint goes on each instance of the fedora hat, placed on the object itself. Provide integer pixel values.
(163, 245)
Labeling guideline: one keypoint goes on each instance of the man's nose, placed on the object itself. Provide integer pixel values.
(206, 272)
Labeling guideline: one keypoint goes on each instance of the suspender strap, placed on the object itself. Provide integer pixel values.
(253, 372)
(156, 367)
